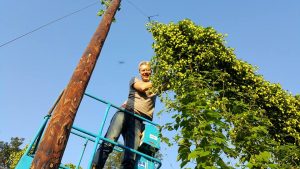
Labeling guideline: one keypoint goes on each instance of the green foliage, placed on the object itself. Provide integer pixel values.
(16, 156)
(8, 150)
(101, 12)
(106, 4)
(72, 166)
(114, 160)
(220, 105)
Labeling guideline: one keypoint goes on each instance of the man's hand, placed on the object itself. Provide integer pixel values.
(142, 86)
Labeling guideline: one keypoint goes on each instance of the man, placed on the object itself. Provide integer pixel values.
(140, 101)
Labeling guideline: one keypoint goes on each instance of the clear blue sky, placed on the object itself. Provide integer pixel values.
(35, 68)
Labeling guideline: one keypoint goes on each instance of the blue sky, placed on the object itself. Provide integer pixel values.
(35, 68)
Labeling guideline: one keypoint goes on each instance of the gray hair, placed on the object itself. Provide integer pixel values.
(143, 63)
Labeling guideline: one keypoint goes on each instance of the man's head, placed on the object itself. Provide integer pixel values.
(145, 70)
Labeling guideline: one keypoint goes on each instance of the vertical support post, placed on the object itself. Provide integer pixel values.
(40, 132)
(84, 146)
(99, 135)
(54, 141)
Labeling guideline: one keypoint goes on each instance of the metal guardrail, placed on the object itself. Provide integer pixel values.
(88, 136)
(98, 137)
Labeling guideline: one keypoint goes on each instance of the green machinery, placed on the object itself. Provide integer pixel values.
(150, 142)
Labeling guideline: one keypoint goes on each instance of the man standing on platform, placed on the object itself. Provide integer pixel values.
(140, 101)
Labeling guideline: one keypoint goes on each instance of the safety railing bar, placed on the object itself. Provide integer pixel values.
(82, 136)
(99, 135)
(84, 147)
(90, 139)
(121, 109)
(132, 150)
(117, 144)
(40, 132)
(84, 131)
(104, 119)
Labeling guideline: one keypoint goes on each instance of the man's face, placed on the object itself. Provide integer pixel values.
(145, 72)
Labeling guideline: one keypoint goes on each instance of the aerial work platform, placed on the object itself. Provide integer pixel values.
(150, 142)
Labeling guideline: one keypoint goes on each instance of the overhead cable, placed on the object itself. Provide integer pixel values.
(141, 11)
(49, 23)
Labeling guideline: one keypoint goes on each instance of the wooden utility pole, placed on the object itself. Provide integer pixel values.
(53, 144)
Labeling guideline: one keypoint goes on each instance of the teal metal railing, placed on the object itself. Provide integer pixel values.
(99, 136)
(88, 136)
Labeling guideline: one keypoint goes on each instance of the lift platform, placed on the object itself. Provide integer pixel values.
(150, 142)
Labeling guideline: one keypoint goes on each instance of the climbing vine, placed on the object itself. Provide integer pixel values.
(227, 115)
(106, 4)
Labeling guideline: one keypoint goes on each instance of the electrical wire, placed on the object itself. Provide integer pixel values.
(49, 23)
(137, 8)
(141, 11)
(72, 13)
